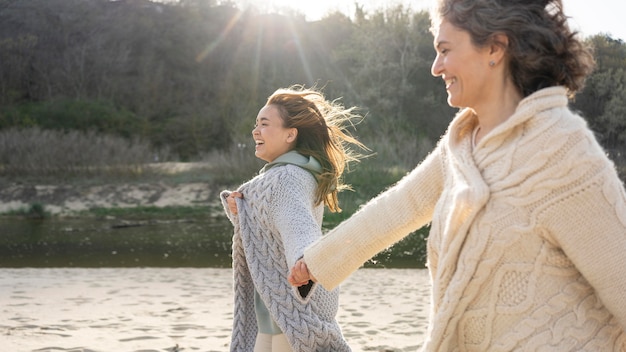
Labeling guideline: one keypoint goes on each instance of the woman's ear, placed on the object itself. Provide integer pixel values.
(292, 135)
(498, 47)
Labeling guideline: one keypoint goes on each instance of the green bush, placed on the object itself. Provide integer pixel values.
(66, 115)
(33, 211)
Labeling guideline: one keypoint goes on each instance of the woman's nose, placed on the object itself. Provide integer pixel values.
(436, 68)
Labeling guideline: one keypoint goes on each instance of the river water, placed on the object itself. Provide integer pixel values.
(198, 242)
(69, 242)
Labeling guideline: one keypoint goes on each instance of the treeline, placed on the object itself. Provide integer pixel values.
(189, 77)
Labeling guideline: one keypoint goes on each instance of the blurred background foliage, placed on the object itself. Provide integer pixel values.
(183, 81)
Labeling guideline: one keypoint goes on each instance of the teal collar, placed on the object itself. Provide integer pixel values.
(293, 157)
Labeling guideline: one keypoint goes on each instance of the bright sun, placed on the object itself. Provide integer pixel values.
(312, 10)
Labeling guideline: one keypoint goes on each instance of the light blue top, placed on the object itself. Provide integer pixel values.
(263, 319)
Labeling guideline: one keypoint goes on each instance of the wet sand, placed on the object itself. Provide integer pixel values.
(185, 309)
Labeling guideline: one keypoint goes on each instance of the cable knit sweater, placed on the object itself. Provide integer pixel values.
(277, 219)
(527, 247)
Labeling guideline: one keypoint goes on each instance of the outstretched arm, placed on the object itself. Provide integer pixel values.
(379, 224)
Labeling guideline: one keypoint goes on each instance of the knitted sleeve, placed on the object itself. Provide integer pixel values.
(380, 223)
(293, 211)
(588, 221)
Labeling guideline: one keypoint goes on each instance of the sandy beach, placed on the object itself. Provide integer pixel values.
(185, 309)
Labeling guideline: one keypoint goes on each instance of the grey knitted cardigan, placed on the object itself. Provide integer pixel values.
(276, 220)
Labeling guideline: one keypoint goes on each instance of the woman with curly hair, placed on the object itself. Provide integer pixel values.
(527, 244)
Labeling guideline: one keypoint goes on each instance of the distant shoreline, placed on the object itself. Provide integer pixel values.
(70, 198)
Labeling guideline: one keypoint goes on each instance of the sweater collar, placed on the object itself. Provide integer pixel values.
(544, 99)
(293, 157)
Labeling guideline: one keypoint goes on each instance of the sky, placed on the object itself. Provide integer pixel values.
(587, 17)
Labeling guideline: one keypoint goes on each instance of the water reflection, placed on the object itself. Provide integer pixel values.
(195, 242)
(199, 242)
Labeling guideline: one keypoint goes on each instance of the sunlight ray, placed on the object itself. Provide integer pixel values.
(204, 53)
(298, 44)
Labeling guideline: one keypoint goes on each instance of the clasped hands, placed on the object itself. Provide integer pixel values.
(300, 274)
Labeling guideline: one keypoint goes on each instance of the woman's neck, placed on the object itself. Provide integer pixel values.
(500, 108)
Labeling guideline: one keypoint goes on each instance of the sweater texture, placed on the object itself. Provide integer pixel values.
(277, 219)
(527, 245)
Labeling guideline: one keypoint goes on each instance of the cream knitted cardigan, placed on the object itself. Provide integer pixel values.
(277, 219)
(527, 247)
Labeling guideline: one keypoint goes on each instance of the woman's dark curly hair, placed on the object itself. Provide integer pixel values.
(542, 51)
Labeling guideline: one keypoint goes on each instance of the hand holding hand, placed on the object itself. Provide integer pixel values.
(300, 274)
(232, 204)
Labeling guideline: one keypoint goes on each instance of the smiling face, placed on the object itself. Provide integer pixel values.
(272, 139)
(463, 66)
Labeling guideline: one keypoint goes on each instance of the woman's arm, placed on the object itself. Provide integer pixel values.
(382, 222)
(293, 212)
(590, 227)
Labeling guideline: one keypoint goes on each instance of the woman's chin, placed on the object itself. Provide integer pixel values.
(260, 156)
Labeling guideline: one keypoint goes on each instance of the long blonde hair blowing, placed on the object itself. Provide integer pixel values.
(322, 134)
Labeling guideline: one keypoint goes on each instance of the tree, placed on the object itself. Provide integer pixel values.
(193, 74)
(603, 99)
